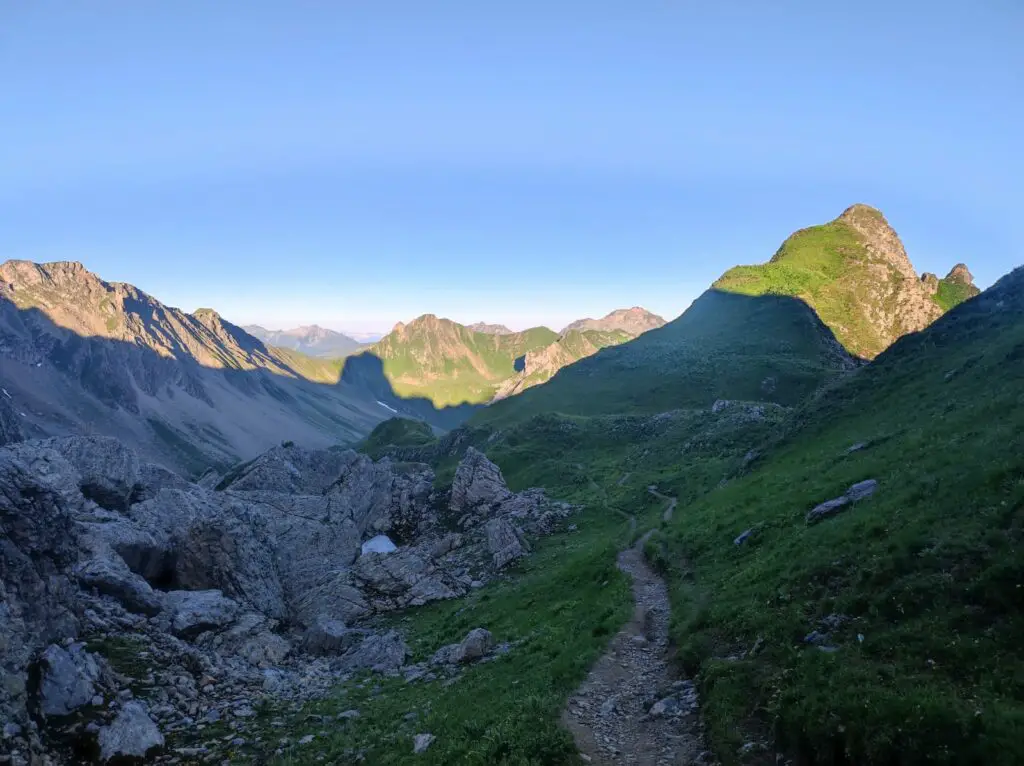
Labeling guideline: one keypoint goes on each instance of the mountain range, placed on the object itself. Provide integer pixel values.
(813, 475)
(82, 355)
(309, 339)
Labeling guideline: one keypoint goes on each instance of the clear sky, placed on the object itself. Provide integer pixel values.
(359, 162)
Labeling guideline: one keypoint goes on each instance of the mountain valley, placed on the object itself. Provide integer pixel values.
(781, 528)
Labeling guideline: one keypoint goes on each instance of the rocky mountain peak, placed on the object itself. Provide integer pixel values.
(635, 321)
(960, 274)
(880, 239)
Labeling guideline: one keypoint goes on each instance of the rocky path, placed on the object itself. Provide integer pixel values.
(631, 710)
(672, 502)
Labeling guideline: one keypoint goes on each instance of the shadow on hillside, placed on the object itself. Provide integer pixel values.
(726, 345)
(52, 365)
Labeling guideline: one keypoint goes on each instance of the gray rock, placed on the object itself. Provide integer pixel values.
(67, 679)
(828, 508)
(421, 742)
(11, 730)
(327, 636)
(108, 470)
(132, 735)
(862, 489)
(406, 577)
(381, 652)
(504, 542)
(38, 602)
(110, 576)
(193, 612)
(478, 484)
(10, 424)
(477, 643)
(743, 537)
(855, 493)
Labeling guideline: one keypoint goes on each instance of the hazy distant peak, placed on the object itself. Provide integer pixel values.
(309, 339)
(490, 329)
(635, 321)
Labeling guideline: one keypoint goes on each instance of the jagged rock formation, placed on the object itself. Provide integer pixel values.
(253, 586)
(81, 355)
(855, 273)
(634, 321)
(309, 339)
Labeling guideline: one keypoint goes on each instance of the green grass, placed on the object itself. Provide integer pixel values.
(396, 432)
(952, 293)
(449, 364)
(724, 346)
(825, 266)
(928, 572)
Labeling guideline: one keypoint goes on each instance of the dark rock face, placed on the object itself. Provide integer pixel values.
(10, 425)
(36, 553)
(258, 583)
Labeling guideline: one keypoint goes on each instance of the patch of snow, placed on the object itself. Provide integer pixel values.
(387, 407)
(379, 544)
(5, 392)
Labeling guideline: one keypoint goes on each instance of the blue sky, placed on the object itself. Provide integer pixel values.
(358, 163)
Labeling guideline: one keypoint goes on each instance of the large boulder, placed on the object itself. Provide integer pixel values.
(504, 542)
(478, 484)
(108, 470)
(380, 652)
(110, 576)
(37, 549)
(406, 577)
(68, 680)
(194, 612)
(327, 637)
(477, 643)
(292, 469)
(131, 737)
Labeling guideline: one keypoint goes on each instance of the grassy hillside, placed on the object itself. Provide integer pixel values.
(724, 346)
(450, 364)
(856, 275)
(921, 582)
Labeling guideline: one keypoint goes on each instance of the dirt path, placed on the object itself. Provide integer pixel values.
(672, 502)
(631, 710)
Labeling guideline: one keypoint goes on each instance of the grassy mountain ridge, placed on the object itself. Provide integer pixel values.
(921, 581)
(856, 275)
(724, 346)
(451, 364)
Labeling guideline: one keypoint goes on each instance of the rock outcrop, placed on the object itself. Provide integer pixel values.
(254, 588)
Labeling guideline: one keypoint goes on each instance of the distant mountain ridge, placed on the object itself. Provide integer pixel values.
(634, 321)
(308, 339)
(451, 364)
(491, 329)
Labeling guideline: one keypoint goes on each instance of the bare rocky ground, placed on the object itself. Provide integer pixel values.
(632, 709)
